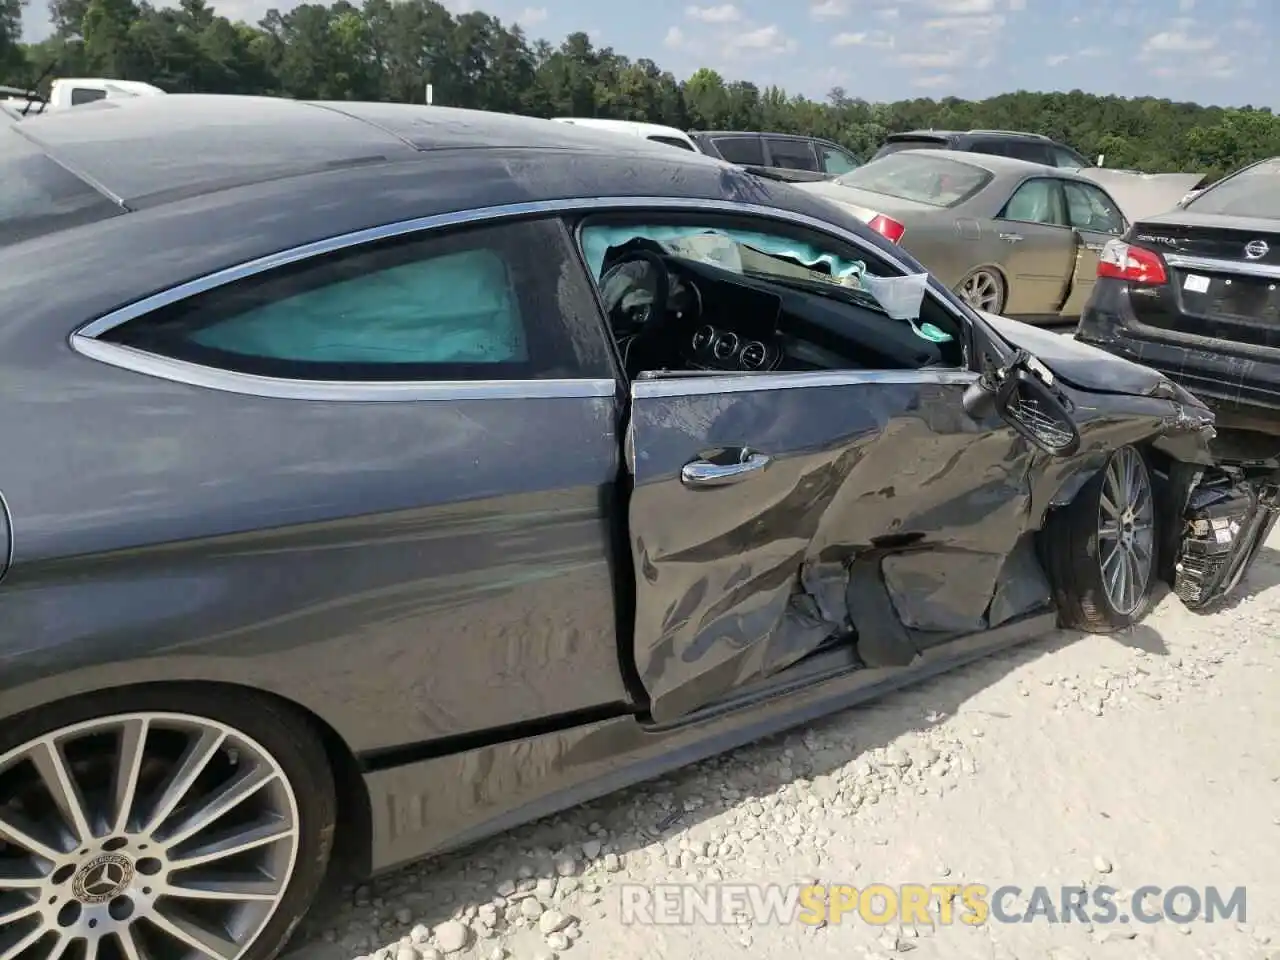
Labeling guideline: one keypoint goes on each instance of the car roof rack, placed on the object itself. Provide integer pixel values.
(1012, 133)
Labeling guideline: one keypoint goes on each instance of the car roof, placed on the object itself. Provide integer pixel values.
(208, 182)
(752, 133)
(151, 150)
(956, 134)
(636, 127)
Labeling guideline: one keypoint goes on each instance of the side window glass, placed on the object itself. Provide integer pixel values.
(81, 95)
(744, 150)
(995, 148)
(1065, 159)
(1036, 201)
(1031, 152)
(793, 154)
(1091, 209)
(670, 141)
(836, 162)
(501, 302)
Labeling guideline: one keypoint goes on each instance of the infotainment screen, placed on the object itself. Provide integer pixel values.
(751, 313)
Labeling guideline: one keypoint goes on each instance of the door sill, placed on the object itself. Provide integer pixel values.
(842, 661)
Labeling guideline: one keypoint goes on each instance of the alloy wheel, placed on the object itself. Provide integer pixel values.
(1126, 530)
(982, 291)
(142, 836)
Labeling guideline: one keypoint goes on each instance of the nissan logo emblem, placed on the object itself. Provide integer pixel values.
(1256, 249)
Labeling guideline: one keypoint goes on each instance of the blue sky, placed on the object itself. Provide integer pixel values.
(1207, 51)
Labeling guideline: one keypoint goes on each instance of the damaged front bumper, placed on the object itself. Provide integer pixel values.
(1225, 524)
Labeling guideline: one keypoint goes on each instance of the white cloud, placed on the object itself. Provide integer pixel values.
(890, 13)
(1017, 4)
(933, 60)
(1177, 41)
(1091, 52)
(864, 38)
(1220, 67)
(674, 39)
(1057, 59)
(1186, 6)
(828, 9)
(531, 15)
(763, 40)
(929, 81)
(725, 13)
(963, 6)
(973, 26)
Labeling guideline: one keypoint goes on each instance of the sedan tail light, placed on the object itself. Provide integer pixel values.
(1123, 261)
(887, 227)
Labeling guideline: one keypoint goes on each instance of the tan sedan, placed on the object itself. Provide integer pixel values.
(1010, 237)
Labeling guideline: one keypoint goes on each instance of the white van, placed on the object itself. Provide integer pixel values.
(72, 92)
(649, 131)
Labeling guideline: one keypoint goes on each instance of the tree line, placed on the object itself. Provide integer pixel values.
(390, 50)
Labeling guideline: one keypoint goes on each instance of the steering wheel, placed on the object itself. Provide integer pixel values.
(635, 290)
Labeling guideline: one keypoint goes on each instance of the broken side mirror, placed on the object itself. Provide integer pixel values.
(1024, 394)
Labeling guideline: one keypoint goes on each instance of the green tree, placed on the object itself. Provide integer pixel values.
(392, 49)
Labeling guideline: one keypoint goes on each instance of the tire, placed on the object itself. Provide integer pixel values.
(125, 881)
(1075, 550)
(984, 284)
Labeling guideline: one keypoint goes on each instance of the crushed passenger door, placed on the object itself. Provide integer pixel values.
(764, 508)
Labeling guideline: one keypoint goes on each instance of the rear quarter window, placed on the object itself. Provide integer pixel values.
(496, 302)
(37, 196)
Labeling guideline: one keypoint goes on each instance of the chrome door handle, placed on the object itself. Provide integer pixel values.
(704, 473)
(1011, 237)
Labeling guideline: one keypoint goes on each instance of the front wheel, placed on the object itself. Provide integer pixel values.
(160, 825)
(1100, 550)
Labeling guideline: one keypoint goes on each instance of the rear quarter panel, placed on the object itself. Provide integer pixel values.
(404, 570)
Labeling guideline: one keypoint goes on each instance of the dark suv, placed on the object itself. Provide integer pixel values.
(785, 151)
(1001, 143)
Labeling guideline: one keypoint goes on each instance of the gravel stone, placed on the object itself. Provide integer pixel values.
(452, 936)
(553, 921)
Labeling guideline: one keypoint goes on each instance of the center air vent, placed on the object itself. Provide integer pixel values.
(726, 346)
(752, 356)
(703, 338)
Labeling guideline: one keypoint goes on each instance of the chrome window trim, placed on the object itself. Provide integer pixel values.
(83, 340)
(6, 526)
(691, 386)
(1213, 265)
(364, 391)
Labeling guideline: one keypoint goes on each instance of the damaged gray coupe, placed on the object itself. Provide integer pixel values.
(383, 477)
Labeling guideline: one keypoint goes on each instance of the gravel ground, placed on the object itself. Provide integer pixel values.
(1151, 757)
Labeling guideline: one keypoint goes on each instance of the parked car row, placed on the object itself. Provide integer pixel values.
(1191, 290)
(1010, 237)
(352, 511)
(771, 151)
